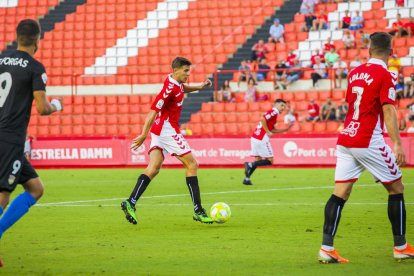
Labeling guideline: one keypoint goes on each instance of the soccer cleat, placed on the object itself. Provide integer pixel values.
(407, 253)
(247, 181)
(330, 257)
(247, 169)
(129, 211)
(202, 217)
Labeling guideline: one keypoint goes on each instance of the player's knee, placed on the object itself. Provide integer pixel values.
(152, 171)
(35, 188)
(193, 165)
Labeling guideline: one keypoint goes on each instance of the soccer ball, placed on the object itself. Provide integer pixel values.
(220, 212)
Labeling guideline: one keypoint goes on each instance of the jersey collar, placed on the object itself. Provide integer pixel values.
(276, 110)
(171, 79)
(378, 62)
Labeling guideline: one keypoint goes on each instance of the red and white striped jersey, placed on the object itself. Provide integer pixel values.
(370, 86)
(168, 104)
(271, 118)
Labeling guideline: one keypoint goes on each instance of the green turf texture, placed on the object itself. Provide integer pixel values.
(275, 228)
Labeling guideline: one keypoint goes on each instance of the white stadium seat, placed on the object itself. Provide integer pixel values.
(315, 45)
(411, 52)
(337, 35)
(333, 16)
(313, 35)
(324, 35)
(410, 3)
(405, 61)
(303, 45)
(405, 13)
(343, 7)
(354, 6)
(366, 6)
(392, 13)
(305, 55)
(389, 4)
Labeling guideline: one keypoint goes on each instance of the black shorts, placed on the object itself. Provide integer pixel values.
(14, 167)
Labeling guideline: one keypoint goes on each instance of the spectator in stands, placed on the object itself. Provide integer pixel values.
(410, 114)
(289, 117)
(313, 111)
(251, 92)
(254, 66)
(308, 6)
(328, 112)
(319, 72)
(258, 50)
(355, 63)
(394, 63)
(399, 87)
(328, 45)
(331, 57)
(276, 31)
(365, 40)
(357, 22)
(321, 21)
(341, 71)
(409, 88)
(225, 93)
(317, 54)
(292, 59)
(293, 75)
(342, 110)
(349, 40)
(244, 72)
(270, 46)
(309, 18)
(262, 75)
(398, 28)
(409, 27)
(281, 74)
(345, 22)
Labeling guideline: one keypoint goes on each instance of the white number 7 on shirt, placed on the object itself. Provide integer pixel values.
(359, 91)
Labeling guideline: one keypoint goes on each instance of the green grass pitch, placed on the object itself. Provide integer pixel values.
(275, 229)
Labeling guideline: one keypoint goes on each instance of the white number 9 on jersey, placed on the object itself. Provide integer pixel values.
(5, 85)
(359, 91)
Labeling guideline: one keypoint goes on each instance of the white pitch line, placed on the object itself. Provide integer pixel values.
(209, 193)
(232, 204)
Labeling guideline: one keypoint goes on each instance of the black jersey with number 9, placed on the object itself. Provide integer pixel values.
(20, 76)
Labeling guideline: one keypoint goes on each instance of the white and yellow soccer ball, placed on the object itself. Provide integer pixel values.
(220, 212)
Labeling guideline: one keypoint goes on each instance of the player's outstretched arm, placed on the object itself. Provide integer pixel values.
(391, 122)
(189, 89)
(137, 142)
(43, 106)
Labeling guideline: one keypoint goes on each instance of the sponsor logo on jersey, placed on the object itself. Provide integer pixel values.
(11, 180)
(351, 129)
(160, 103)
(44, 78)
(14, 62)
(391, 94)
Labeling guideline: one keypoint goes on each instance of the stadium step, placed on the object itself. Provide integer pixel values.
(58, 14)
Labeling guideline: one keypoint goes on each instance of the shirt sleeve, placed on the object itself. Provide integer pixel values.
(387, 92)
(162, 98)
(39, 78)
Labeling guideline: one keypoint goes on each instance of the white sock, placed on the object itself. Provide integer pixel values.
(327, 247)
(401, 247)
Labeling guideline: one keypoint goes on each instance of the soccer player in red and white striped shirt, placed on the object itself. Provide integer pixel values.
(371, 97)
(163, 121)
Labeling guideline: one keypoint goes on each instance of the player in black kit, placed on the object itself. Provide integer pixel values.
(22, 79)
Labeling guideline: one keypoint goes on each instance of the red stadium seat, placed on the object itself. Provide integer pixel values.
(195, 118)
(319, 127)
(307, 127)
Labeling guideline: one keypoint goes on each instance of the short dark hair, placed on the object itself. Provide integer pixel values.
(28, 31)
(280, 101)
(179, 62)
(380, 43)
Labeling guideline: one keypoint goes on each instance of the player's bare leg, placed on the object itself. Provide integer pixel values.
(250, 167)
(191, 166)
(153, 168)
(397, 217)
(333, 209)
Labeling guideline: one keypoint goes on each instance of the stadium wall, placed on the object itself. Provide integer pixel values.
(103, 152)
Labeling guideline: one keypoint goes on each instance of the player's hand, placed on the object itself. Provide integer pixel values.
(269, 133)
(138, 141)
(57, 103)
(206, 83)
(399, 155)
